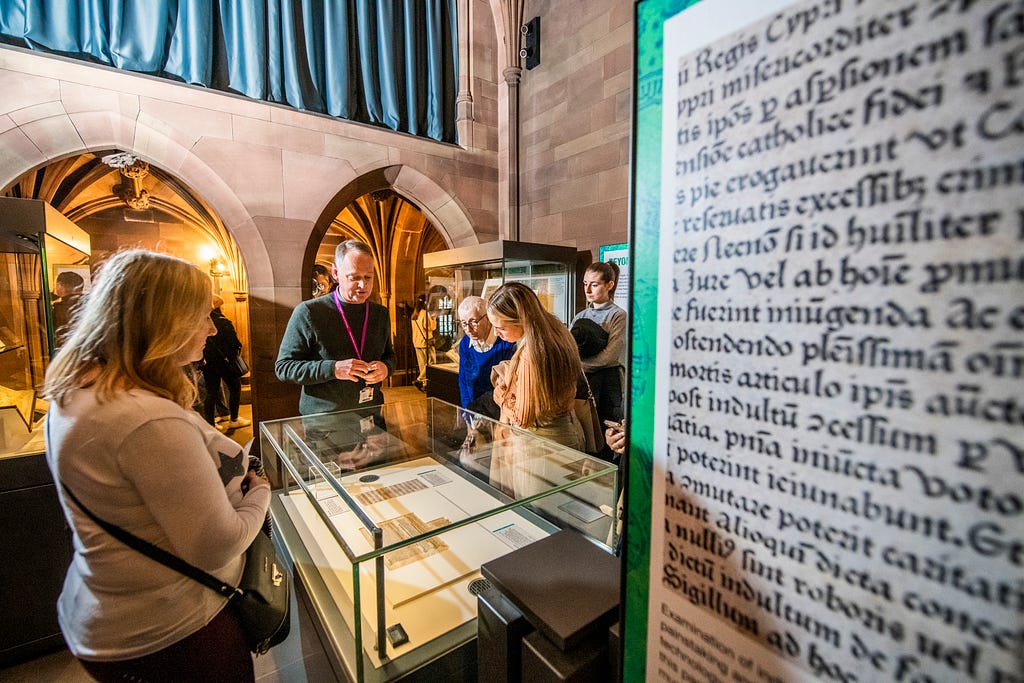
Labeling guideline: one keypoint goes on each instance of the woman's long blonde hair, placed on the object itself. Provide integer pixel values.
(556, 359)
(132, 329)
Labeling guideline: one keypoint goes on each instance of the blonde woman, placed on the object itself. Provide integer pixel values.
(123, 438)
(535, 390)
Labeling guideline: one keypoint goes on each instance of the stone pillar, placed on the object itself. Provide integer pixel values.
(464, 100)
(512, 22)
(512, 75)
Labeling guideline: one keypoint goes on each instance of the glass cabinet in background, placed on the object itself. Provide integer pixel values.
(39, 247)
(387, 526)
(44, 270)
(452, 275)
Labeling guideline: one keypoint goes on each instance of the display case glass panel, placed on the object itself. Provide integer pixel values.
(37, 245)
(389, 516)
(479, 270)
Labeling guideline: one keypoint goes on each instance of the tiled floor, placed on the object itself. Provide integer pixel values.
(299, 659)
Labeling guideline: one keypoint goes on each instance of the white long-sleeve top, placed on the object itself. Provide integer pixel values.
(160, 472)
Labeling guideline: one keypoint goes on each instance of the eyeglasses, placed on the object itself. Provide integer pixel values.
(466, 324)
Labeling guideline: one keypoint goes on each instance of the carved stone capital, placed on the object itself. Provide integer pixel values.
(512, 75)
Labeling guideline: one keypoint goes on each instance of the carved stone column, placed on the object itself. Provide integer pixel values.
(512, 21)
(512, 75)
(464, 100)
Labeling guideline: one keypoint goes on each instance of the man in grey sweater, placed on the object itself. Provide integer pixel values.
(338, 347)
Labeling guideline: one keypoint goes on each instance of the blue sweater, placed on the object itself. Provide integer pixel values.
(475, 367)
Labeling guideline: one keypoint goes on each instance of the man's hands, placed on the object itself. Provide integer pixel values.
(354, 370)
(616, 439)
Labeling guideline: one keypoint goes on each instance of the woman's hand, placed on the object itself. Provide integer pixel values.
(253, 480)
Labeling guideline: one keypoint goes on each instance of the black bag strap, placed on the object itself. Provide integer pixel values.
(158, 554)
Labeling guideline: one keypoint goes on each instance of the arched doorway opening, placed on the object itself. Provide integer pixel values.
(123, 202)
(399, 234)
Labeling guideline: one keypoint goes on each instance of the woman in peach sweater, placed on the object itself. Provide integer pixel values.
(536, 387)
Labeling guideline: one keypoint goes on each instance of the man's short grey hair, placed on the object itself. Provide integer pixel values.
(351, 245)
(472, 305)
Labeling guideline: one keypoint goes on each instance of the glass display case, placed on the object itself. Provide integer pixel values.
(44, 269)
(478, 270)
(38, 246)
(387, 526)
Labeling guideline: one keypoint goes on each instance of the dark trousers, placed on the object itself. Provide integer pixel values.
(216, 652)
(606, 385)
(212, 379)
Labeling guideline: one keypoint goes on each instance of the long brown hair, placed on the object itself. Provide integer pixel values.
(555, 365)
(133, 328)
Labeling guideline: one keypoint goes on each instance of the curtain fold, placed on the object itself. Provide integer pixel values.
(389, 64)
(413, 73)
(384, 62)
(190, 46)
(245, 29)
(342, 92)
(138, 34)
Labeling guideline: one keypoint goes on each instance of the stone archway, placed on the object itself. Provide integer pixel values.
(271, 175)
(383, 208)
(152, 146)
(444, 211)
(106, 130)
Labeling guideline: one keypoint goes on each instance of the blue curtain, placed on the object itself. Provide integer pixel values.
(385, 62)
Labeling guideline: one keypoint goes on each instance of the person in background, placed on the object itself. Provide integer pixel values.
(480, 350)
(606, 369)
(323, 282)
(218, 366)
(122, 437)
(68, 289)
(615, 440)
(535, 389)
(339, 347)
(423, 326)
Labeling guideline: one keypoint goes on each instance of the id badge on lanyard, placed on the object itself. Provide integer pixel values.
(366, 393)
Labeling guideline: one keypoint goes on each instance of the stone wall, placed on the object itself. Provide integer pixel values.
(272, 174)
(276, 176)
(575, 124)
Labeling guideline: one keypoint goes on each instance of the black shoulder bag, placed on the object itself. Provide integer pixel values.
(261, 600)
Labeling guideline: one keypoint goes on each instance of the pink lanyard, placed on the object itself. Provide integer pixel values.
(366, 321)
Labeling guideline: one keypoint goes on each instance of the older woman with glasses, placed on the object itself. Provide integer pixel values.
(480, 349)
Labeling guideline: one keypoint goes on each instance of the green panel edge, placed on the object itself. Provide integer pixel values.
(649, 20)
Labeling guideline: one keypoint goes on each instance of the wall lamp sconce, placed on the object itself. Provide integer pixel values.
(218, 269)
(530, 51)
